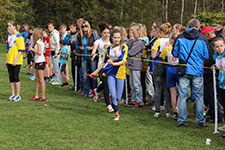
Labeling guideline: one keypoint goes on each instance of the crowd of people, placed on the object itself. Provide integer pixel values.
(130, 63)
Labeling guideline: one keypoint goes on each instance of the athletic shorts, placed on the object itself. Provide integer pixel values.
(47, 59)
(30, 57)
(62, 68)
(171, 76)
(40, 66)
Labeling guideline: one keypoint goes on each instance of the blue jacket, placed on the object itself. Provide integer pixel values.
(200, 51)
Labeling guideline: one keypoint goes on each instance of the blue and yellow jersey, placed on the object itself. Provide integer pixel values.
(159, 45)
(166, 54)
(115, 71)
(15, 43)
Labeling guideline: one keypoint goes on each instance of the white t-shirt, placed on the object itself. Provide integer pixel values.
(39, 58)
(115, 52)
(101, 49)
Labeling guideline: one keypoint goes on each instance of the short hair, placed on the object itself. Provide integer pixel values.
(51, 23)
(193, 23)
(31, 28)
(62, 42)
(62, 26)
(217, 39)
(72, 24)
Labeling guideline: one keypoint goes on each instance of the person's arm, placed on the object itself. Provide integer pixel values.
(98, 69)
(78, 47)
(21, 48)
(93, 53)
(67, 39)
(57, 47)
(155, 48)
(116, 63)
(38, 51)
(176, 49)
(136, 48)
(17, 57)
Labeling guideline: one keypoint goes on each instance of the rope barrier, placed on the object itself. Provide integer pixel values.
(161, 62)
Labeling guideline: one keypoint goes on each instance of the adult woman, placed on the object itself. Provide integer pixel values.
(85, 41)
(14, 59)
(39, 60)
(113, 65)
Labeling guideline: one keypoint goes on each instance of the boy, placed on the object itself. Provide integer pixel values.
(62, 63)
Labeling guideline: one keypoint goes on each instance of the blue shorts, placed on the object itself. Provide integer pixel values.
(171, 76)
(62, 68)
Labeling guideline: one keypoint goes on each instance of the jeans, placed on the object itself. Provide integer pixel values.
(88, 67)
(78, 77)
(135, 85)
(198, 88)
(116, 90)
(55, 63)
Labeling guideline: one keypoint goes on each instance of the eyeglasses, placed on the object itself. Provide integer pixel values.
(84, 26)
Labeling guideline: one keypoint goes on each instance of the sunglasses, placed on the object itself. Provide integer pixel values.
(84, 26)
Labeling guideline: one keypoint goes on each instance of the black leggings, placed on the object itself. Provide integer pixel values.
(104, 86)
(222, 101)
(13, 73)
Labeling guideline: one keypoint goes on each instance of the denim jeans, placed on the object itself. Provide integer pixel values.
(198, 88)
(88, 67)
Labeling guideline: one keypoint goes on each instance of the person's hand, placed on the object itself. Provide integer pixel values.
(5, 64)
(71, 41)
(46, 45)
(105, 45)
(110, 62)
(14, 63)
(82, 48)
(93, 74)
(74, 51)
(31, 48)
(214, 65)
(93, 57)
(89, 48)
(56, 55)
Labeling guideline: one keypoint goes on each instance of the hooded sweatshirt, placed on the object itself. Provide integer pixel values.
(54, 41)
(200, 52)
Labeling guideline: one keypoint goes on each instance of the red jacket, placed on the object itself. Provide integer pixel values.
(48, 50)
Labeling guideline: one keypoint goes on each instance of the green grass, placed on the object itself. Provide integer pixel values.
(71, 122)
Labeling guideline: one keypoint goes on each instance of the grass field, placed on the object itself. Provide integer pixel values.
(68, 121)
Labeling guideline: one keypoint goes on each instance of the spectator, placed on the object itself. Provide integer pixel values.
(194, 75)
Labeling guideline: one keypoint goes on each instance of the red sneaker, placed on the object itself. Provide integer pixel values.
(42, 99)
(35, 98)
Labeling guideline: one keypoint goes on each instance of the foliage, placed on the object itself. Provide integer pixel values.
(209, 18)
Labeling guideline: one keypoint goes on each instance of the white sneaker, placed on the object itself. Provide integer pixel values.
(11, 98)
(221, 128)
(122, 101)
(110, 109)
(56, 83)
(117, 117)
(161, 108)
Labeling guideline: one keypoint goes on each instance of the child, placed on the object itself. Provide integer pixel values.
(62, 63)
(219, 46)
(113, 65)
(171, 76)
(39, 60)
(159, 71)
(47, 55)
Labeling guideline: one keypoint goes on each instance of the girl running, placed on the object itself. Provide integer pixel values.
(113, 65)
(39, 60)
(14, 59)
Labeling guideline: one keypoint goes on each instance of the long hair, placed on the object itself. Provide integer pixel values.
(114, 31)
(166, 28)
(137, 27)
(37, 34)
(89, 29)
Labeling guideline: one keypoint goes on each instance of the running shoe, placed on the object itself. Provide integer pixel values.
(65, 84)
(11, 98)
(35, 98)
(17, 98)
(168, 115)
(110, 109)
(42, 99)
(117, 117)
(156, 115)
(95, 95)
(55, 83)
(221, 128)
(175, 114)
(32, 78)
(90, 94)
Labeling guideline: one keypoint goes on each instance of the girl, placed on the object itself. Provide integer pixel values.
(85, 41)
(14, 59)
(101, 45)
(159, 71)
(47, 55)
(39, 60)
(178, 28)
(219, 47)
(136, 47)
(171, 76)
(113, 65)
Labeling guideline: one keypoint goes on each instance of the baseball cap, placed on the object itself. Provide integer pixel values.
(207, 29)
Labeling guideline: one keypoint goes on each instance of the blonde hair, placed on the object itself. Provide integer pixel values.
(137, 27)
(166, 28)
(37, 34)
(144, 30)
(89, 29)
(179, 27)
(173, 36)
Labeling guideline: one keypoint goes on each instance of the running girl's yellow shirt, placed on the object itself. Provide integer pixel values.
(15, 43)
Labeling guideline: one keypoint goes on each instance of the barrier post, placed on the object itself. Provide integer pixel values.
(126, 88)
(215, 101)
(75, 84)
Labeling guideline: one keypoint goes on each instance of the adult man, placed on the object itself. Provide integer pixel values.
(209, 33)
(55, 46)
(194, 75)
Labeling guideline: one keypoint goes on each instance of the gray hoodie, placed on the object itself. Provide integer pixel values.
(135, 50)
(54, 41)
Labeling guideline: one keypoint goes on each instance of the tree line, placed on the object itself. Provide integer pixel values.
(115, 12)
